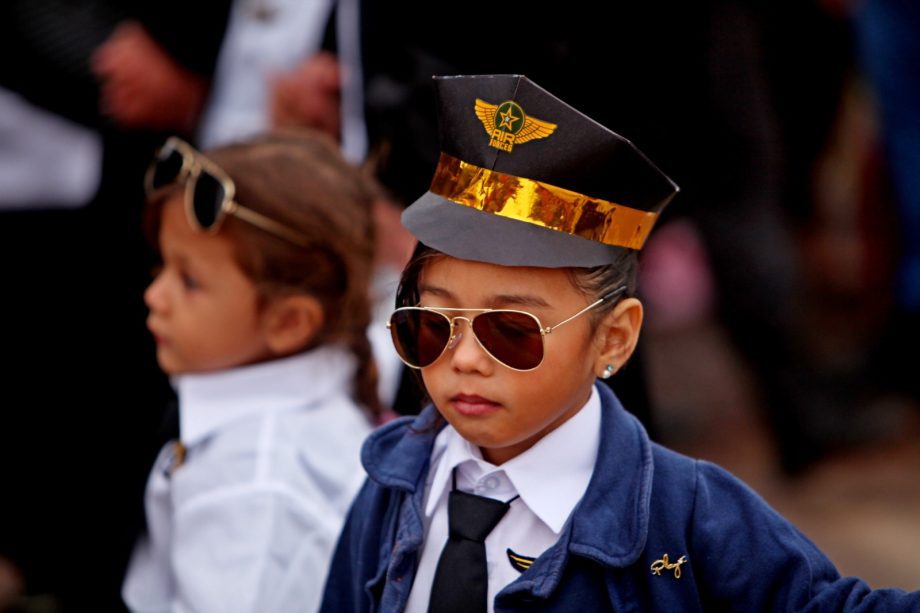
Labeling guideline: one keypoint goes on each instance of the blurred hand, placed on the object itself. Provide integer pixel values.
(309, 96)
(142, 86)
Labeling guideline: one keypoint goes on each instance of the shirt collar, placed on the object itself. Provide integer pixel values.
(551, 476)
(210, 401)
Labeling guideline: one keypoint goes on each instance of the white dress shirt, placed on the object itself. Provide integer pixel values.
(249, 520)
(265, 38)
(550, 477)
(45, 159)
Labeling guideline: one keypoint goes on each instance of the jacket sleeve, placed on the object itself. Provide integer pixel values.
(749, 558)
(252, 549)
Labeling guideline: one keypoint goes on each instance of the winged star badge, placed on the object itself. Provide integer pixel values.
(508, 125)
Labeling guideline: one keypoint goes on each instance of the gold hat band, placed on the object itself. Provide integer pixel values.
(541, 204)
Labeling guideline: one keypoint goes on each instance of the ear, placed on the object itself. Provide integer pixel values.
(291, 322)
(617, 336)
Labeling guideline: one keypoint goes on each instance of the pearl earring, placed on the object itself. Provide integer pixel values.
(608, 372)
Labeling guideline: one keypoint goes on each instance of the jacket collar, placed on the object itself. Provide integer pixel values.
(610, 524)
(397, 454)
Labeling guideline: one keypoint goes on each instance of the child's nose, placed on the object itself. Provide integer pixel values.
(155, 294)
(467, 354)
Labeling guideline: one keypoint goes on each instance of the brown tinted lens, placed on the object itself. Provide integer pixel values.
(512, 338)
(419, 336)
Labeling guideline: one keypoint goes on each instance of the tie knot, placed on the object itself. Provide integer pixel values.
(472, 517)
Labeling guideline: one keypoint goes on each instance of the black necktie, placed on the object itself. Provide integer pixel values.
(461, 583)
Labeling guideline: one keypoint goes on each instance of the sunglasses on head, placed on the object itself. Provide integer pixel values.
(513, 338)
(209, 191)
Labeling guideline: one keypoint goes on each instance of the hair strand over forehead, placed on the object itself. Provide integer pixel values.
(593, 282)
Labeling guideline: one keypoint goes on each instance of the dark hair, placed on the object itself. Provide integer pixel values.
(593, 282)
(598, 281)
(301, 180)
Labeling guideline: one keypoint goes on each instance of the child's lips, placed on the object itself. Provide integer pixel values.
(472, 405)
(158, 338)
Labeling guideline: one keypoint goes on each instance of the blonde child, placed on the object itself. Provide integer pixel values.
(525, 485)
(259, 314)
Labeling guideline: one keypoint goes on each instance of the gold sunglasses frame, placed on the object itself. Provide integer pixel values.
(194, 164)
(452, 340)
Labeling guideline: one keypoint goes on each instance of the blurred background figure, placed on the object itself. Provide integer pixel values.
(82, 390)
(298, 64)
(280, 64)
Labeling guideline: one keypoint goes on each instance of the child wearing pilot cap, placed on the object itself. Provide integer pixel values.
(525, 484)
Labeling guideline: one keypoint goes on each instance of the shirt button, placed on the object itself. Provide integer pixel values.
(491, 482)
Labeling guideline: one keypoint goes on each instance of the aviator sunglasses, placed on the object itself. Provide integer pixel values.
(209, 191)
(512, 338)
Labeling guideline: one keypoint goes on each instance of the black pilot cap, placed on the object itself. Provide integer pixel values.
(526, 180)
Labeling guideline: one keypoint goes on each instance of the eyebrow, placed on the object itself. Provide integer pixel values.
(185, 263)
(178, 258)
(503, 299)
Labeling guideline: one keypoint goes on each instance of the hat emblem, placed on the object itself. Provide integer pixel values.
(507, 124)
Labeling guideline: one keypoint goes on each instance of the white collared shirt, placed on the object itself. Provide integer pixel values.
(250, 519)
(267, 38)
(45, 159)
(264, 38)
(550, 477)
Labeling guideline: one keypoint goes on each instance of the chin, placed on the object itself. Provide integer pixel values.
(481, 436)
(168, 366)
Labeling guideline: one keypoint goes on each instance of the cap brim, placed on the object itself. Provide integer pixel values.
(470, 234)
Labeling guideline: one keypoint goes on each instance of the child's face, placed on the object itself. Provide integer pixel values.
(203, 310)
(503, 411)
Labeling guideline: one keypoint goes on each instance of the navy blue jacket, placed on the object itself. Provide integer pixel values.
(655, 531)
